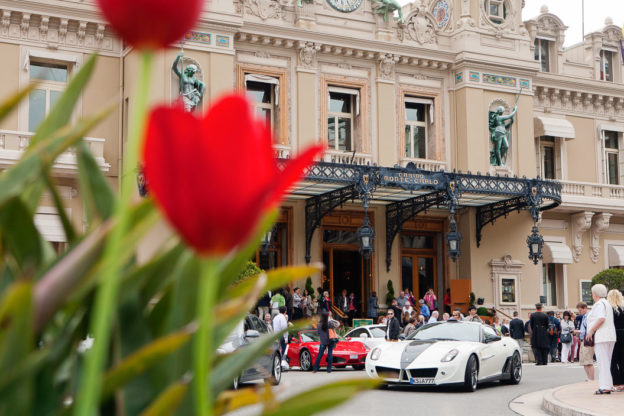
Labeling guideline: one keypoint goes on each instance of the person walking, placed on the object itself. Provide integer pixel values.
(601, 330)
(264, 305)
(267, 322)
(567, 329)
(327, 342)
(615, 299)
(296, 303)
(373, 307)
(540, 340)
(516, 329)
(280, 323)
(393, 328)
(325, 304)
(586, 353)
(277, 301)
(576, 339)
(554, 328)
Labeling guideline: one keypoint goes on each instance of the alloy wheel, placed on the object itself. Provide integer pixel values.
(306, 361)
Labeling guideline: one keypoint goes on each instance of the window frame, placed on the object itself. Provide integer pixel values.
(47, 86)
(604, 75)
(436, 145)
(590, 301)
(415, 124)
(558, 145)
(499, 18)
(502, 277)
(545, 291)
(606, 151)
(538, 45)
(340, 115)
(279, 118)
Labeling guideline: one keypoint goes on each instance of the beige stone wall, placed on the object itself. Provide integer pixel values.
(10, 80)
(581, 152)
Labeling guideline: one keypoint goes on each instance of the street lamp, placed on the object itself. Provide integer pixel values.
(535, 242)
(453, 240)
(366, 236)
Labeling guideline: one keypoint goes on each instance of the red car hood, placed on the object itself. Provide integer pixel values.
(354, 347)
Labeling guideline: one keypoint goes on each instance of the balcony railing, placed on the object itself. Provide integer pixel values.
(338, 156)
(594, 196)
(425, 164)
(13, 144)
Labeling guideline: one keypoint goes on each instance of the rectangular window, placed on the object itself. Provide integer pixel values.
(263, 91)
(508, 290)
(496, 10)
(612, 157)
(549, 283)
(51, 81)
(586, 295)
(343, 108)
(418, 119)
(549, 158)
(542, 53)
(606, 66)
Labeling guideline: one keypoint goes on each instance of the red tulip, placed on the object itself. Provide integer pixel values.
(215, 176)
(151, 24)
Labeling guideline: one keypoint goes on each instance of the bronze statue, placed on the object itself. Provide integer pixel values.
(499, 134)
(191, 89)
(387, 7)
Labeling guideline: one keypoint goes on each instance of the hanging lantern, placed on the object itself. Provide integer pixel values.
(366, 236)
(453, 240)
(536, 243)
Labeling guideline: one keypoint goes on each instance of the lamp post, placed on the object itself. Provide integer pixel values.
(535, 242)
(366, 237)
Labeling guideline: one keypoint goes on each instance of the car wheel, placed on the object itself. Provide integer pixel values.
(515, 372)
(276, 371)
(358, 367)
(305, 360)
(236, 383)
(471, 378)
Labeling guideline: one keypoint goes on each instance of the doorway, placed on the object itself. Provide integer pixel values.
(345, 272)
(419, 263)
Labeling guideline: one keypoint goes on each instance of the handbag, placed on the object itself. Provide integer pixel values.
(333, 337)
(565, 338)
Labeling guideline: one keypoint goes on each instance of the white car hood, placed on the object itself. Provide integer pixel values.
(402, 354)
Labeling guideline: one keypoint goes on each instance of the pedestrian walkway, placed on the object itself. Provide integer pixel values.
(570, 400)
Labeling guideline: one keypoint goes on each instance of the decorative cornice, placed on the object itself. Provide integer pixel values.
(600, 224)
(581, 222)
(573, 100)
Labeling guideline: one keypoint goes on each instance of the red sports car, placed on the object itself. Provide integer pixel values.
(304, 346)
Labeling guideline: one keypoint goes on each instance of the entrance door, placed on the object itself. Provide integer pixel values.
(418, 273)
(345, 273)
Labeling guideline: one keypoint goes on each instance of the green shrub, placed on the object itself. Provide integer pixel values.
(390, 294)
(249, 270)
(483, 311)
(611, 278)
(309, 287)
(472, 298)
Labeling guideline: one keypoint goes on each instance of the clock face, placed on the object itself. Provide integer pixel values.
(441, 13)
(345, 6)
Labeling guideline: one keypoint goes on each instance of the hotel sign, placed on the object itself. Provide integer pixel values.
(410, 180)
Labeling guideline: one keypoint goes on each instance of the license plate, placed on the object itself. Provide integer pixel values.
(353, 356)
(421, 380)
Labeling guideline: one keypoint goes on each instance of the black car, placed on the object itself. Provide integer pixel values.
(269, 366)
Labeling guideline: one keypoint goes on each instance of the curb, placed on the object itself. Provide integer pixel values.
(556, 407)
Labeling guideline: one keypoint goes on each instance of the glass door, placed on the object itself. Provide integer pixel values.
(418, 272)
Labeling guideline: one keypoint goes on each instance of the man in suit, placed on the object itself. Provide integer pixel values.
(516, 328)
(540, 340)
(393, 328)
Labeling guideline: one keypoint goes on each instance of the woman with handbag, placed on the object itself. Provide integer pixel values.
(328, 340)
(601, 332)
(567, 328)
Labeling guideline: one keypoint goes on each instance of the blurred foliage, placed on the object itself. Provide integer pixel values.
(46, 299)
(390, 294)
(611, 278)
(309, 288)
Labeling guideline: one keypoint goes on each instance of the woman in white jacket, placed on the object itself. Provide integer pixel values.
(567, 328)
(601, 329)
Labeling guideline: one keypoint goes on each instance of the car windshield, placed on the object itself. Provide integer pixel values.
(448, 331)
(313, 336)
(378, 332)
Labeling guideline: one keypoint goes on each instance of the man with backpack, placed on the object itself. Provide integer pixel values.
(554, 329)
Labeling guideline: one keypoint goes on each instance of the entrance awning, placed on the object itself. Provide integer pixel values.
(555, 127)
(557, 253)
(616, 256)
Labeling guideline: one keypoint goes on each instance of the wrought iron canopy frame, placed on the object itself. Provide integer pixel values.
(409, 191)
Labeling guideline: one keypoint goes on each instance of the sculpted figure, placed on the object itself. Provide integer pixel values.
(499, 134)
(191, 89)
(387, 7)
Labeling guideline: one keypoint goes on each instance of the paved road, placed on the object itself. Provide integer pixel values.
(491, 399)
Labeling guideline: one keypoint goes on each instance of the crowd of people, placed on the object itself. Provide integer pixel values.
(585, 336)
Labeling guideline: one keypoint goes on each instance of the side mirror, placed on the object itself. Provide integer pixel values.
(364, 336)
(293, 339)
(252, 333)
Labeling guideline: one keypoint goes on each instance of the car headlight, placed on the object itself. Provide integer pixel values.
(376, 354)
(450, 356)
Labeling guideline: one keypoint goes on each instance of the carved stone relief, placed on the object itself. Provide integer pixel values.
(600, 225)
(265, 9)
(420, 26)
(307, 54)
(581, 222)
(386, 65)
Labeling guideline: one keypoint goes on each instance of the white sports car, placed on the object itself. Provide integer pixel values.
(447, 353)
(369, 335)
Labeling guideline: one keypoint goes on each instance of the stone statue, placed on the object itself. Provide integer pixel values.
(499, 134)
(191, 89)
(387, 7)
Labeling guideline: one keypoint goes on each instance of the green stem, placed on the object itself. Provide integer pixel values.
(104, 307)
(203, 351)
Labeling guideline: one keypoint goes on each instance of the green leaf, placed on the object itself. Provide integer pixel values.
(16, 342)
(61, 113)
(169, 400)
(11, 103)
(98, 196)
(231, 400)
(20, 234)
(320, 398)
(29, 169)
(70, 232)
(139, 361)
